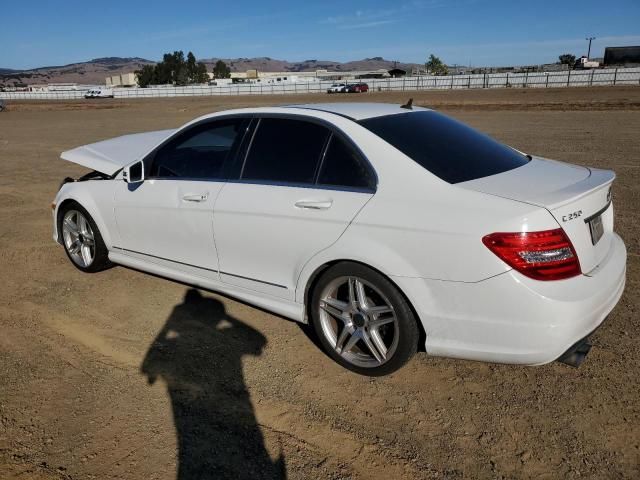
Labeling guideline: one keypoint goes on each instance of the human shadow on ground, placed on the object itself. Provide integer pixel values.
(198, 354)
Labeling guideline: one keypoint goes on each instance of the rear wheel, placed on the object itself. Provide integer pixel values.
(81, 239)
(362, 320)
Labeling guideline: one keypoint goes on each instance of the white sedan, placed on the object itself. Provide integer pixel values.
(337, 88)
(99, 93)
(389, 229)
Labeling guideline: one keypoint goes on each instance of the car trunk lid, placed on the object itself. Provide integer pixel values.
(578, 198)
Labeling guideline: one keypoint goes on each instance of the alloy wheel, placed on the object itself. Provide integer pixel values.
(358, 321)
(79, 240)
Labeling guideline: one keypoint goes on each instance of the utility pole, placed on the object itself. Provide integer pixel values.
(589, 39)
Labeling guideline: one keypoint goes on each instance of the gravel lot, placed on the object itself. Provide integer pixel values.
(86, 391)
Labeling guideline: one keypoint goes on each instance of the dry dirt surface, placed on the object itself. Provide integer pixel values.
(128, 376)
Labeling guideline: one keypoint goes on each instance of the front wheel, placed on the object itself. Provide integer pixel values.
(362, 320)
(81, 239)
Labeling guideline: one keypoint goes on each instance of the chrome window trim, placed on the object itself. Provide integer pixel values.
(325, 149)
(246, 152)
(314, 186)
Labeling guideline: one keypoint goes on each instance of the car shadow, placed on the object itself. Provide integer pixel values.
(198, 354)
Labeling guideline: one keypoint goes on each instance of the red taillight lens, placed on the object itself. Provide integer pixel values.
(547, 255)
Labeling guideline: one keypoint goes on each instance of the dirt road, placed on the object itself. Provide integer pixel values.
(91, 388)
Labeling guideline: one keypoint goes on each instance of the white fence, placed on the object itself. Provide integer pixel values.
(571, 78)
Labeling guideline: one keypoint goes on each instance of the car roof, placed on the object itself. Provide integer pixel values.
(354, 111)
(357, 110)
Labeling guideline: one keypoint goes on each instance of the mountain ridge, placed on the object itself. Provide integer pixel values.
(95, 70)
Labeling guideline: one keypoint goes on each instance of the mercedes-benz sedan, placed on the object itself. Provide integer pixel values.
(388, 228)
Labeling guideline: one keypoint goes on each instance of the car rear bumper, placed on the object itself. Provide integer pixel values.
(510, 318)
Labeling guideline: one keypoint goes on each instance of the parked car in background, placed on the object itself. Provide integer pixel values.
(357, 88)
(337, 88)
(388, 228)
(99, 93)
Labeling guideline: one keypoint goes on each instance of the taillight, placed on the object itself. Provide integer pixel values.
(546, 255)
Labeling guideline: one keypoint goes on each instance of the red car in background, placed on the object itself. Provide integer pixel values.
(357, 88)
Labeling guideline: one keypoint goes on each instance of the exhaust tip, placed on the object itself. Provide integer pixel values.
(576, 354)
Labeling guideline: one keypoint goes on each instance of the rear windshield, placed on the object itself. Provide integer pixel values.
(447, 148)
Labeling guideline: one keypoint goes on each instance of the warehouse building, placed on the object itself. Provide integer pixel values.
(621, 55)
(122, 80)
(256, 76)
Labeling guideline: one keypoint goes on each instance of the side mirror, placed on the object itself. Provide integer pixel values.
(134, 173)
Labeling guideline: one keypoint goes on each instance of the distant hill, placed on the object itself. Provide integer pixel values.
(94, 71)
(266, 64)
(91, 72)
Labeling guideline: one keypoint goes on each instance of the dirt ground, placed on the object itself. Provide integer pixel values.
(87, 391)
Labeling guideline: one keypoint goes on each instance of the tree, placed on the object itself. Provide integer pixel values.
(146, 75)
(567, 59)
(221, 70)
(435, 66)
(170, 68)
(174, 70)
(182, 76)
(191, 67)
(200, 75)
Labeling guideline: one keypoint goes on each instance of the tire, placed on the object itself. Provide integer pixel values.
(373, 337)
(79, 232)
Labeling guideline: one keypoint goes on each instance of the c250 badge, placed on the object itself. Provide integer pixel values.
(572, 216)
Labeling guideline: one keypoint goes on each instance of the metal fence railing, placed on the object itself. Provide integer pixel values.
(570, 78)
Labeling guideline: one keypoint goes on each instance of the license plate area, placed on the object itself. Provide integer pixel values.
(596, 229)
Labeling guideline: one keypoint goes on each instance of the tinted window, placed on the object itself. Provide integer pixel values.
(199, 152)
(342, 166)
(447, 148)
(285, 150)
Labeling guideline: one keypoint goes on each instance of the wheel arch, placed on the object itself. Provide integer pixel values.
(316, 274)
(86, 202)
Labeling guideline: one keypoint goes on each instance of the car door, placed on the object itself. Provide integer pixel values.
(168, 218)
(299, 187)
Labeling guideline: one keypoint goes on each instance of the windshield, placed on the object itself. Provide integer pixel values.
(447, 148)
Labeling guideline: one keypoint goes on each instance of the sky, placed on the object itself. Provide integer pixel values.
(481, 33)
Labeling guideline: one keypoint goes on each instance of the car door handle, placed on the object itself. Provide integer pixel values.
(314, 204)
(195, 197)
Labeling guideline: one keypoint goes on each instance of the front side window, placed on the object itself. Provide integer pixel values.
(199, 153)
(285, 150)
(447, 148)
(344, 167)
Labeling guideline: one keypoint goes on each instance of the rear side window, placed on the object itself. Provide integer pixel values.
(285, 150)
(447, 148)
(342, 166)
(198, 153)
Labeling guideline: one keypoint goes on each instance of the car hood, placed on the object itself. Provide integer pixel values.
(109, 156)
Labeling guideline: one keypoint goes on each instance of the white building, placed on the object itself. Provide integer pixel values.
(54, 87)
(122, 80)
(256, 76)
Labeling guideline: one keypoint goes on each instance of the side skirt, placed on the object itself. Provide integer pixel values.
(279, 306)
